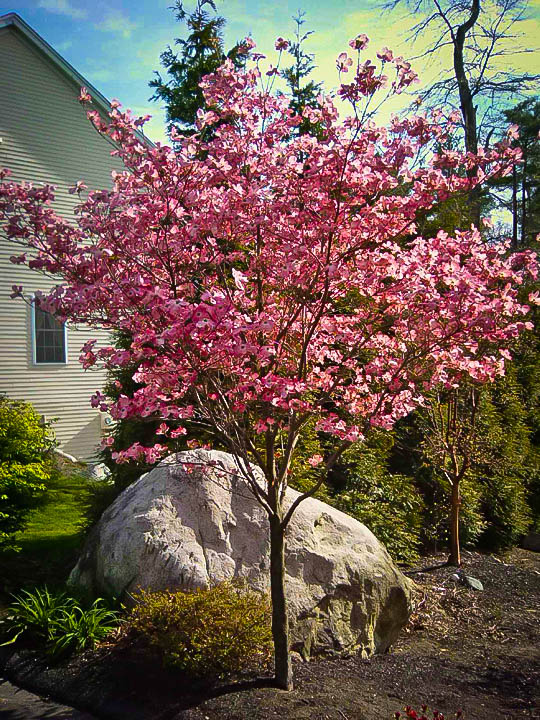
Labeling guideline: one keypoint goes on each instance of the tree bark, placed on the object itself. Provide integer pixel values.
(280, 619)
(524, 198)
(455, 552)
(514, 209)
(468, 109)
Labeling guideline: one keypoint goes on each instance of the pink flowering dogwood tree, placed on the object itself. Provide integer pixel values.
(270, 279)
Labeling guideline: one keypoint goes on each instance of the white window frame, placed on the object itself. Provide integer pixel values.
(34, 340)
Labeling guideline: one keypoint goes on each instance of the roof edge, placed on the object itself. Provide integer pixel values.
(12, 19)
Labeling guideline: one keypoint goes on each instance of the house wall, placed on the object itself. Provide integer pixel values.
(46, 138)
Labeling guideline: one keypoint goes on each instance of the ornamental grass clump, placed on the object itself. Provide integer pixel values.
(57, 623)
(213, 631)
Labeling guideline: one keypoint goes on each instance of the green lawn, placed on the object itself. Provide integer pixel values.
(51, 541)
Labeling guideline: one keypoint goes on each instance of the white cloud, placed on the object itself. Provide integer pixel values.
(115, 21)
(63, 7)
(63, 46)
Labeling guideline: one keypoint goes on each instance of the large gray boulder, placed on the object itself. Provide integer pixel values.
(174, 529)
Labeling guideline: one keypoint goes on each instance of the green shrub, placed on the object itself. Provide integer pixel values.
(388, 504)
(57, 622)
(214, 631)
(26, 465)
(391, 508)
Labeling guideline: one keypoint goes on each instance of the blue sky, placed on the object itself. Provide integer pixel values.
(116, 45)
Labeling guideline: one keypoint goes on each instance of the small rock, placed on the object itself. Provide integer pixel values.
(99, 472)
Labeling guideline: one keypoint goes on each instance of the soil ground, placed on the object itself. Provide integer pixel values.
(17, 704)
(463, 649)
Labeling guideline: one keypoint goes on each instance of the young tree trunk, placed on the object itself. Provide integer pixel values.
(455, 552)
(514, 209)
(280, 620)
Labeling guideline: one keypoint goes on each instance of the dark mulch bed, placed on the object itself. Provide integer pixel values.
(463, 649)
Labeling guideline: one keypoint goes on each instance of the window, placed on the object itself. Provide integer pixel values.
(49, 338)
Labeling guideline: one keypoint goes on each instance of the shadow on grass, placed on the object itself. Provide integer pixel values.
(41, 560)
(51, 541)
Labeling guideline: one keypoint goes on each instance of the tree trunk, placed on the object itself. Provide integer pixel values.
(455, 552)
(514, 209)
(524, 198)
(466, 102)
(280, 620)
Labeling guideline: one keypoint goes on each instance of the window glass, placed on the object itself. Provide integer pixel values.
(49, 338)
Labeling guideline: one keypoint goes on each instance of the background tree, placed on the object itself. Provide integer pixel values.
(483, 36)
(519, 194)
(201, 53)
(302, 93)
(499, 491)
(273, 292)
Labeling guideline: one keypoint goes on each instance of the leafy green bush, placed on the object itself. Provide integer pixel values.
(57, 622)
(26, 465)
(388, 504)
(211, 631)
(391, 508)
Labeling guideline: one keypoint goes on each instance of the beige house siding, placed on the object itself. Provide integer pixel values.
(46, 138)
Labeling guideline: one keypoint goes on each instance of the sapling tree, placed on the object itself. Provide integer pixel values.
(270, 279)
(450, 444)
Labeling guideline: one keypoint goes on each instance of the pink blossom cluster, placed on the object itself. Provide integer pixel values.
(267, 277)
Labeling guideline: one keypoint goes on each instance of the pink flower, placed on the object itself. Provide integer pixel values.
(359, 42)
(385, 55)
(315, 460)
(246, 45)
(343, 62)
(281, 44)
(84, 95)
(260, 427)
(77, 188)
(512, 132)
(17, 291)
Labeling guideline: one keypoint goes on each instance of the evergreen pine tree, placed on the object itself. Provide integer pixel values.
(302, 94)
(200, 54)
